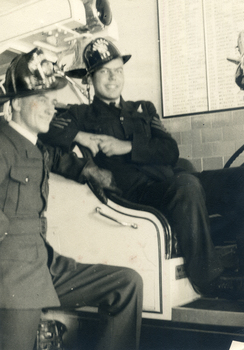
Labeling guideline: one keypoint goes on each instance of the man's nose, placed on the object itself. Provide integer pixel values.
(112, 75)
(51, 109)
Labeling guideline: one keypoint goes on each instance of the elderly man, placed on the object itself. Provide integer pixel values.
(126, 138)
(33, 276)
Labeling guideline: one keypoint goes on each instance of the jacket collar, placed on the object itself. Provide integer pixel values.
(22, 144)
(100, 105)
(23, 132)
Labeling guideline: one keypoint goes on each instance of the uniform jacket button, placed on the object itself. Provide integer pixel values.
(2, 238)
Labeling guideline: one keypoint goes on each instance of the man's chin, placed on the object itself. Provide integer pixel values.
(113, 97)
(44, 129)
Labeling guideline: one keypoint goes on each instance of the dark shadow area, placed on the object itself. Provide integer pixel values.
(160, 335)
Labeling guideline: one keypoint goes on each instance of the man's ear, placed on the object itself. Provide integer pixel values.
(89, 80)
(16, 104)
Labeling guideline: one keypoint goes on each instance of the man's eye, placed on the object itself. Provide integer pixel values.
(103, 71)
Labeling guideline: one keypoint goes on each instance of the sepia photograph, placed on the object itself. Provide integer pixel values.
(121, 175)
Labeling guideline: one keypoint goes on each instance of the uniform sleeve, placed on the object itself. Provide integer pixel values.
(82, 170)
(153, 146)
(67, 164)
(63, 137)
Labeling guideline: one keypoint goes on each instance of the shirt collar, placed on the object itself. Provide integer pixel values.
(117, 102)
(27, 134)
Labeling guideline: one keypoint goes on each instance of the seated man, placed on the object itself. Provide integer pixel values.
(33, 276)
(126, 138)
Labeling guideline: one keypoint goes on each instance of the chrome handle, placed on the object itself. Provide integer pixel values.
(99, 211)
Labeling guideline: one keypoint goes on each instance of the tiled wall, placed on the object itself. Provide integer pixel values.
(208, 140)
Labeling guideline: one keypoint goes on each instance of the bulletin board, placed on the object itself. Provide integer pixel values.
(196, 38)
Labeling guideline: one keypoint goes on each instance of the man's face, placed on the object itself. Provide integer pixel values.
(36, 112)
(108, 81)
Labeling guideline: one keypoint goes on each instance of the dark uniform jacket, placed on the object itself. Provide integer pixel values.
(154, 152)
(26, 259)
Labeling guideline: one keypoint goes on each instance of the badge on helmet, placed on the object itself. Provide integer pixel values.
(31, 73)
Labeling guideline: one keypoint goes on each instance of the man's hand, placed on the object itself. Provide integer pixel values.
(111, 146)
(60, 122)
(157, 124)
(99, 180)
(86, 139)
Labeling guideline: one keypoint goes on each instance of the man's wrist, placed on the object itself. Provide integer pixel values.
(78, 137)
(128, 147)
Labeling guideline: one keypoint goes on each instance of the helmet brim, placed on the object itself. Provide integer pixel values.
(126, 58)
(82, 72)
(61, 82)
(76, 73)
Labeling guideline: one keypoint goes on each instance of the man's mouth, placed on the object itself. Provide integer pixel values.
(112, 86)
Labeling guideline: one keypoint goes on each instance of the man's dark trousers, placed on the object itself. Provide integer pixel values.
(187, 200)
(116, 291)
